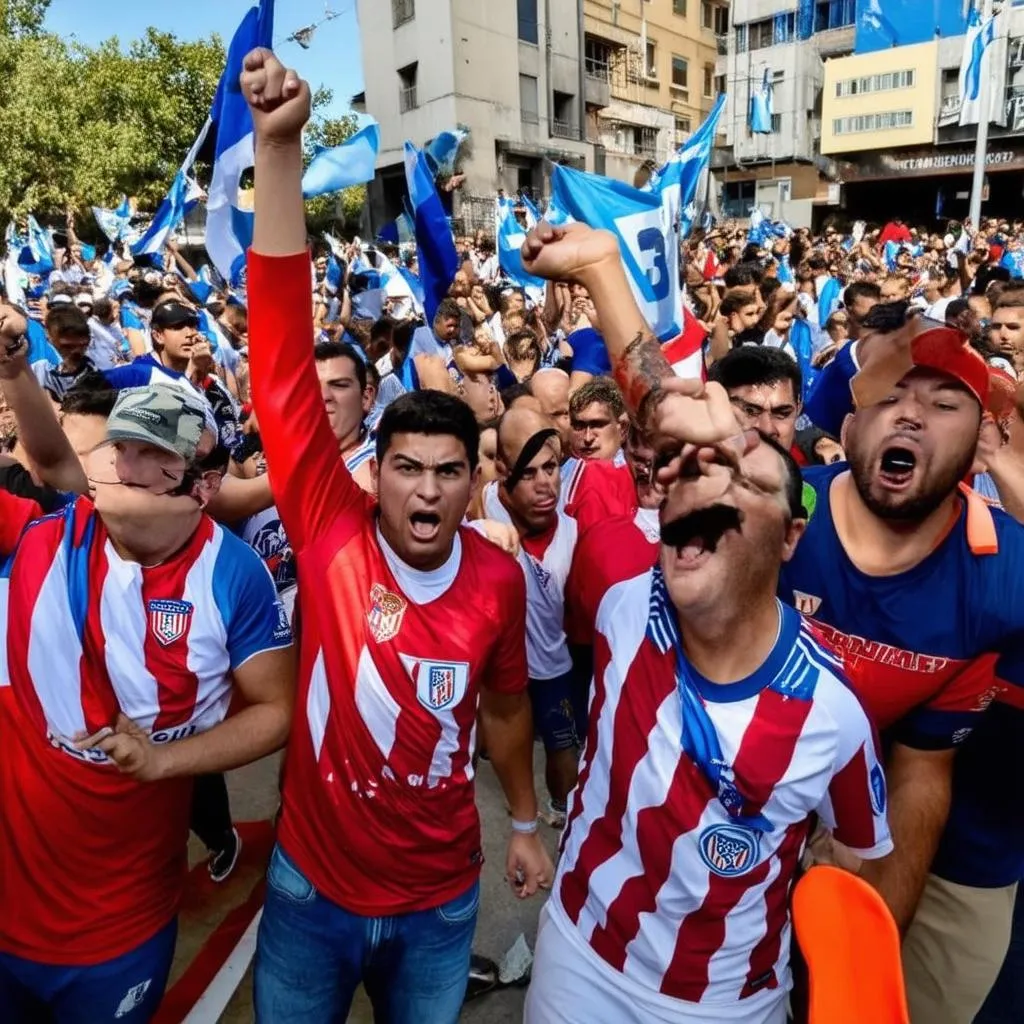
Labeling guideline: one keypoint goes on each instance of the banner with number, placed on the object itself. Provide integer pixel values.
(647, 233)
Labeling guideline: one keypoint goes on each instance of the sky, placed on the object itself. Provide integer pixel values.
(333, 59)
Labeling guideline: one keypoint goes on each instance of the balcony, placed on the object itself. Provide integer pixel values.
(597, 82)
(402, 11)
(564, 130)
(722, 45)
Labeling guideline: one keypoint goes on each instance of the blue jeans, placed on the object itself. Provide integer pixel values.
(311, 956)
(125, 990)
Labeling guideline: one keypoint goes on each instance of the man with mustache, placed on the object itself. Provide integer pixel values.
(706, 758)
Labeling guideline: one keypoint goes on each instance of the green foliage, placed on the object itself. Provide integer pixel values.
(344, 210)
(82, 125)
(22, 17)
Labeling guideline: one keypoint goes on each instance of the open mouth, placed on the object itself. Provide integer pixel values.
(896, 468)
(696, 536)
(424, 525)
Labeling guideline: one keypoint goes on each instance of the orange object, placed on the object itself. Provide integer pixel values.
(852, 948)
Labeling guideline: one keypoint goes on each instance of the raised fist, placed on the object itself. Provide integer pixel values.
(278, 99)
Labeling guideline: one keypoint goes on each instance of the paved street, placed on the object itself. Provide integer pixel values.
(502, 917)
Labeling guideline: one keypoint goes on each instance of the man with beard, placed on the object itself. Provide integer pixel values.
(918, 583)
(706, 758)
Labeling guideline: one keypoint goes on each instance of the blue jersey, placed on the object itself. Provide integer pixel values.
(929, 650)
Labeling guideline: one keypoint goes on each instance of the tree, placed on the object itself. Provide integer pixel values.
(20, 18)
(81, 125)
(344, 209)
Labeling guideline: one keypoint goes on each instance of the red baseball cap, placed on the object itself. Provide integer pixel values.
(948, 351)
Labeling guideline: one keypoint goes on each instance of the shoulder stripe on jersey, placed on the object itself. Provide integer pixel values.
(574, 480)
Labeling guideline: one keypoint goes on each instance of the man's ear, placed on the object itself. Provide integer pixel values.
(794, 531)
(207, 487)
(623, 429)
(844, 430)
(374, 475)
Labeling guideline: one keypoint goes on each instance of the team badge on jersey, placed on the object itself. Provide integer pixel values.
(806, 604)
(729, 850)
(133, 999)
(169, 620)
(386, 613)
(877, 781)
(439, 684)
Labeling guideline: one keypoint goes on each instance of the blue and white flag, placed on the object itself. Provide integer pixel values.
(351, 163)
(184, 193)
(510, 236)
(435, 247)
(15, 278)
(398, 286)
(234, 150)
(532, 213)
(114, 223)
(975, 63)
(441, 152)
(648, 238)
(762, 106)
(677, 182)
(37, 256)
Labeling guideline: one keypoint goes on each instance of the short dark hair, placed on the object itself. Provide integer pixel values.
(448, 309)
(598, 389)
(743, 274)
(102, 308)
(512, 394)
(401, 336)
(324, 350)
(67, 320)
(794, 482)
(957, 307)
(523, 345)
(433, 413)
(861, 290)
(91, 396)
(735, 300)
(887, 316)
(754, 366)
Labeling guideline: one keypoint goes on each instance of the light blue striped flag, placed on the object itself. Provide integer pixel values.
(351, 163)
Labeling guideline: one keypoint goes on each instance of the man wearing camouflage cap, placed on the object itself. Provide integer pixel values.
(130, 619)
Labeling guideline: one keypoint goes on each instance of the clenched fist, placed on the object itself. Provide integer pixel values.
(278, 99)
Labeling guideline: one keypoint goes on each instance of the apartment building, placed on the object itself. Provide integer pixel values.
(511, 71)
(891, 124)
(649, 77)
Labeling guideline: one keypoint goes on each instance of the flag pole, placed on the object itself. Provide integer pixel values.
(981, 140)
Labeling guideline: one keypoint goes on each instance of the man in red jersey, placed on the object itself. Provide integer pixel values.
(129, 621)
(410, 627)
(706, 759)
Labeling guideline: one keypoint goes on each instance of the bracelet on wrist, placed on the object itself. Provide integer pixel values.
(524, 828)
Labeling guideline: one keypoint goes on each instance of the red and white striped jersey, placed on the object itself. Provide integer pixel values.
(545, 561)
(84, 635)
(656, 876)
(378, 809)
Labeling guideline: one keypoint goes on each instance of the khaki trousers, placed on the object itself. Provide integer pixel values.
(954, 949)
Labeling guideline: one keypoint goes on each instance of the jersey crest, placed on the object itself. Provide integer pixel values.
(169, 620)
(386, 613)
(806, 604)
(729, 850)
(440, 685)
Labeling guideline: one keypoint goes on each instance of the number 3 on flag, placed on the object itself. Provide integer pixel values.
(651, 243)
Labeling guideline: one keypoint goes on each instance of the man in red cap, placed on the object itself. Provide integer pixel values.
(917, 582)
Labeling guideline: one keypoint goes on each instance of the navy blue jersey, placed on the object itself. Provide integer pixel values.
(929, 650)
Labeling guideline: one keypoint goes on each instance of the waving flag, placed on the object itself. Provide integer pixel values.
(183, 195)
(351, 163)
(14, 276)
(442, 151)
(648, 238)
(435, 247)
(762, 106)
(510, 237)
(677, 183)
(532, 213)
(114, 223)
(973, 64)
(234, 148)
(36, 256)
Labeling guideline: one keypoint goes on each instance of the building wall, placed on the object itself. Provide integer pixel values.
(920, 98)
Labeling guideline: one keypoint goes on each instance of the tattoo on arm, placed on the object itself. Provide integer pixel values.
(639, 372)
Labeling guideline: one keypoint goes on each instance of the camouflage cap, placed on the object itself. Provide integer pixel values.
(163, 415)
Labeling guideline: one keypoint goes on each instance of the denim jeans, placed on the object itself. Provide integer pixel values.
(311, 956)
(125, 990)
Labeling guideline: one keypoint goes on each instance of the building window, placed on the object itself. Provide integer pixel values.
(720, 81)
(876, 83)
(527, 10)
(644, 141)
(721, 20)
(597, 59)
(709, 80)
(767, 32)
(529, 104)
(684, 126)
(680, 73)
(679, 7)
(741, 38)
(563, 111)
(776, 124)
(873, 122)
(830, 14)
(402, 11)
(407, 99)
(651, 71)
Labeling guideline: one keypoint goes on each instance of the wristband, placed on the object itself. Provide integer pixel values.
(524, 828)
